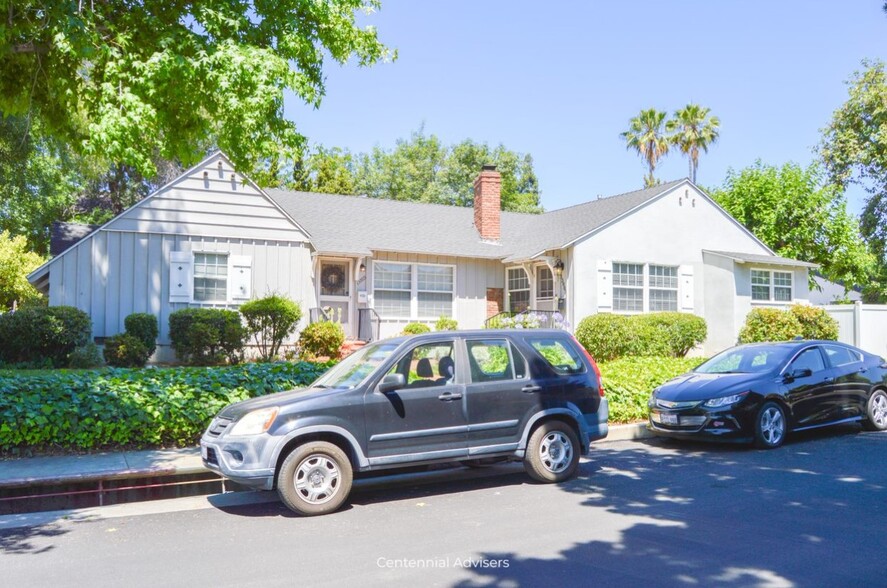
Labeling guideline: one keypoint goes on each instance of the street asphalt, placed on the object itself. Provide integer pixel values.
(641, 513)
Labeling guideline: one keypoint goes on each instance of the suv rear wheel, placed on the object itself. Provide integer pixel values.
(552, 452)
(315, 478)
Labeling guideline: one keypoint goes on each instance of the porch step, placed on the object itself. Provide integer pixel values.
(350, 346)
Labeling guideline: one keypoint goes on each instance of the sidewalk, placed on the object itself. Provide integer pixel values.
(67, 469)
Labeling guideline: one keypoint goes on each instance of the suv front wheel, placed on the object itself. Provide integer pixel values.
(552, 452)
(315, 478)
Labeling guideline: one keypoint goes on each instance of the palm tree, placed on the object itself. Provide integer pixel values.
(646, 135)
(693, 129)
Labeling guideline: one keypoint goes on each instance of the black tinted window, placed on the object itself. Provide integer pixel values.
(838, 355)
(490, 360)
(809, 359)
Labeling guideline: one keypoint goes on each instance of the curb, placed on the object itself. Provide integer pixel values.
(627, 432)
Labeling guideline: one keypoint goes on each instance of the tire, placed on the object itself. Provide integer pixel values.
(552, 452)
(876, 412)
(770, 426)
(315, 478)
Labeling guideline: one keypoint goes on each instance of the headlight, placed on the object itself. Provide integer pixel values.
(255, 422)
(725, 400)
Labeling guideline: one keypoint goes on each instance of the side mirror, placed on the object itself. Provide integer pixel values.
(799, 373)
(392, 382)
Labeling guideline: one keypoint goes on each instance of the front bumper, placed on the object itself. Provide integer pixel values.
(241, 460)
(733, 424)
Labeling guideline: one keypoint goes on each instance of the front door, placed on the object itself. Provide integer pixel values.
(812, 397)
(335, 292)
(424, 420)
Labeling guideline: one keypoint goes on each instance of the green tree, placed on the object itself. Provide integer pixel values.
(646, 135)
(420, 169)
(692, 128)
(127, 82)
(854, 150)
(799, 216)
(16, 262)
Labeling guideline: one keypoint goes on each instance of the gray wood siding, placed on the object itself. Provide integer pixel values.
(473, 277)
(117, 273)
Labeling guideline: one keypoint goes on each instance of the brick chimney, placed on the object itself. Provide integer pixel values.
(487, 203)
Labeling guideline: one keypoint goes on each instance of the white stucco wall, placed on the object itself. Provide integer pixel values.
(673, 230)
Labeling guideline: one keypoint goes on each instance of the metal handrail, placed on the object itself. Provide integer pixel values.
(547, 318)
(368, 324)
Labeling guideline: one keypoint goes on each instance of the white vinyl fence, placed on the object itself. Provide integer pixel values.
(863, 325)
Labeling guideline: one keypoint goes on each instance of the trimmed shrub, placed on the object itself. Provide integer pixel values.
(143, 326)
(131, 408)
(270, 320)
(125, 350)
(769, 324)
(416, 329)
(629, 382)
(85, 357)
(446, 323)
(206, 336)
(322, 339)
(677, 332)
(816, 323)
(605, 336)
(38, 334)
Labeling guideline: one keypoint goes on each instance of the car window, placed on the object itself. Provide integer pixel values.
(745, 359)
(490, 360)
(430, 364)
(810, 359)
(559, 355)
(838, 355)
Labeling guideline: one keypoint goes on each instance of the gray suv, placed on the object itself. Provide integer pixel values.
(466, 396)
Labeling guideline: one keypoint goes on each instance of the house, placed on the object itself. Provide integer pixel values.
(214, 238)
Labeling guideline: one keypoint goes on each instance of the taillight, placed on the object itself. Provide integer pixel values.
(597, 370)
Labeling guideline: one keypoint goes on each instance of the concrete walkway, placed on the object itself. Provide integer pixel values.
(66, 469)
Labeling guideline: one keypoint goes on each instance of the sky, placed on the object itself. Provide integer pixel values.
(560, 80)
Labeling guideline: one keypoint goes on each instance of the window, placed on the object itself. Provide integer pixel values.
(563, 358)
(431, 364)
(637, 290)
(490, 360)
(838, 356)
(771, 285)
(210, 277)
(405, 290)
(628, 287)
(544, 283)
(435, 290)
(809, 359)
(663, 288)
(392, 287)
(518, 290)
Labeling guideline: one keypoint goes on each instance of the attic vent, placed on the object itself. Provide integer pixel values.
(221, 173)
(233, 182)
(206, 179)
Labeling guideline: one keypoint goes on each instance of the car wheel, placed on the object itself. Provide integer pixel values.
(770, 426)
(876, 412)
(315, 478)
(552, 452)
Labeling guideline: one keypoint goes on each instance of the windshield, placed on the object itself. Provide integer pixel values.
(745, 360)
(354, 369)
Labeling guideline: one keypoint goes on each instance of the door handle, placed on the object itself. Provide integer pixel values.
(828, 380)
(448, 396)
(530, 389)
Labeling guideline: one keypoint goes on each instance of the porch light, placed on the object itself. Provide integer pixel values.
(559, 267)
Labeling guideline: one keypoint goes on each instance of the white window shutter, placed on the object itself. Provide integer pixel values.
(240, 277)
(181, 276)
(604, 286)
(686, 288)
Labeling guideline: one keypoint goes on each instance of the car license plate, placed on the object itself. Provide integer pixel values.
(668, 419)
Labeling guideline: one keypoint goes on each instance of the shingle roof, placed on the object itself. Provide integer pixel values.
(64, 235)
(360, 225)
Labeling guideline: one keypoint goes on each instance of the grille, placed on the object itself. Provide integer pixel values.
(670, 404)
(218, 426)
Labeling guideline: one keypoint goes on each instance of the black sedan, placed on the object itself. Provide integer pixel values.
(762, 391)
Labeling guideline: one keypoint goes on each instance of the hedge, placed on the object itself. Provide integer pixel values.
(609, 336)
(43, 335)
(628, 382)
(205, 336)
(114, 408)
(799, 320)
